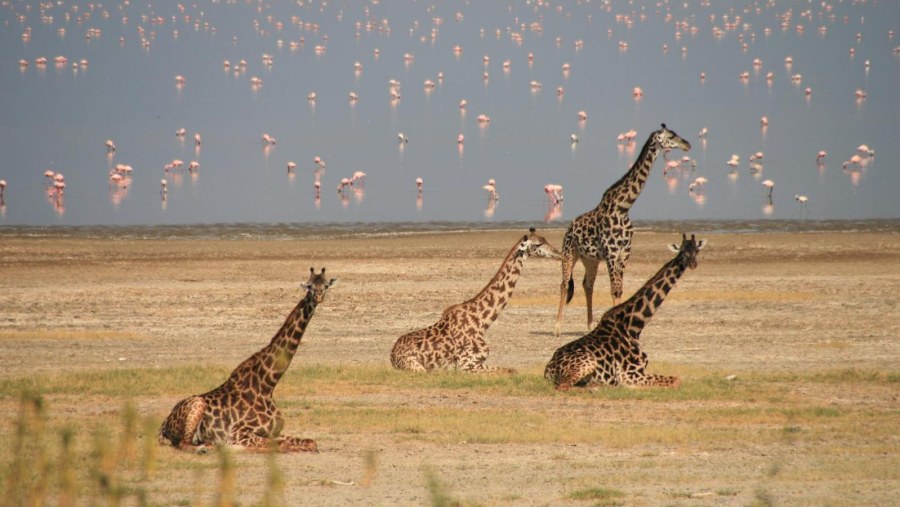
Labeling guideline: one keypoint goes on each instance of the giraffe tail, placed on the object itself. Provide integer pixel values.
(571, 290)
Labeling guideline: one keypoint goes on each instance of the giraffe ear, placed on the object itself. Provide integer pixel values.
(675, 248)
(332, 282)
(701, 244)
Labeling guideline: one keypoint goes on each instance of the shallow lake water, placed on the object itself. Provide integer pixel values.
(530, 67)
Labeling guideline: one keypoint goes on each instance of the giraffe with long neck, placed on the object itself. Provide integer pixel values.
(242, 412)
(611, 353)
(456, 340)
(604, 233)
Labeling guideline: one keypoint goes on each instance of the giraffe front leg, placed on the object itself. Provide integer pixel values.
(616, 270)
(473, 358)
(635, 375)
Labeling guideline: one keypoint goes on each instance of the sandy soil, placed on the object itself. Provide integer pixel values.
(757, 303)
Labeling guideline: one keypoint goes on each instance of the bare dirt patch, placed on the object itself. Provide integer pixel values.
(776, 309)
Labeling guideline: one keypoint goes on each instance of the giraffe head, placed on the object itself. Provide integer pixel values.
(688, 250)
(668, 140)
(533, 244)
(317, 285)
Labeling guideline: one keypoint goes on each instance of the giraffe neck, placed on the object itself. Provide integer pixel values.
(640, 308)
(263, 370)
(487, 304)
(622, 194)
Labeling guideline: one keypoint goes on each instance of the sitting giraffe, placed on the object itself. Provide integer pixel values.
(241, 412)
(611, 353)
(457, 339)
(604, 233)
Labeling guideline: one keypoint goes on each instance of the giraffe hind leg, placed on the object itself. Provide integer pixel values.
(180, 428)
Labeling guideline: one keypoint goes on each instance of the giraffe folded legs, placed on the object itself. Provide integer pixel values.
(252, 442)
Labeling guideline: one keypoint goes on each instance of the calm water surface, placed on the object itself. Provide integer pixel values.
(58, 117)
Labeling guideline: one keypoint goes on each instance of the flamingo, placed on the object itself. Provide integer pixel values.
(180, 133)
(110, 146)
(267, 139)
(554, 193)
(163, 188)
(756, 156)
(360, 177)
(865, 151)
(582, 115)
(419, 184)
(802, 199)
(574, 138)
(197, 140)
(855, 161)
(193, 166)
(291, 166)
(769, 184)
(460, 139)
(820, 157)
(734, 161)
(764, 121)
(318, 187)
(491, 188)
(318, 161)
(401, 138)
(2, 188)
(703, 132)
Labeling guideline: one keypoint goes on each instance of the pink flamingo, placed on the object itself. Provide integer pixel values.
(268, 140)
(110, 146)
(855, 161)
(865, 151)
(291, 166)
(2, 189)
(419, 185)
(820, 157)
(318, 161)
(582, 116)
(358, 177)
(491, 188)
(180, 133)
(734, 161)
(554, 193)
(193, 166)
(318, 187)
(197, 139)
(163, 188)
(769, 185)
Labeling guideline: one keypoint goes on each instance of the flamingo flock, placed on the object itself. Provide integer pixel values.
(285, 36)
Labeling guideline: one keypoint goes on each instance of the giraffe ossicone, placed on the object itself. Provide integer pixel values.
(611, 353)
(456, 340)
(241, 412)
(604, 233)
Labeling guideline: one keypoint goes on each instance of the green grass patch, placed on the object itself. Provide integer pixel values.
(601, 496)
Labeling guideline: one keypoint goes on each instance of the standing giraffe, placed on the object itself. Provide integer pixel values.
(242, 412)
(611, 353)
(457, 339)
(604, 233)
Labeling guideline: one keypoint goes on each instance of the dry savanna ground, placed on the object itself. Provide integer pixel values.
(787, 345)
